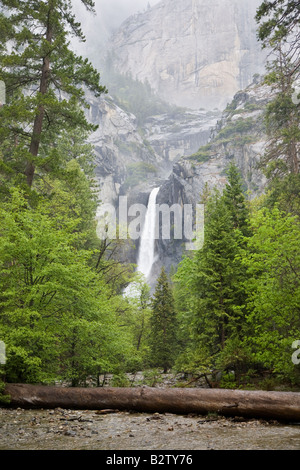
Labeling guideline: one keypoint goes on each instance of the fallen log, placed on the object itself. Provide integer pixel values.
(280, 406)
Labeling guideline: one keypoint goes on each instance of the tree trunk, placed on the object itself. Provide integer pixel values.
(281, 406)
(39, 118)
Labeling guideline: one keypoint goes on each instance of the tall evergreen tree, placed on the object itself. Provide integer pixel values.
(163, 324)
(235, 200)
(211, 283)
(45, 84)
(216, 278)
(59, 308)
(278, 31)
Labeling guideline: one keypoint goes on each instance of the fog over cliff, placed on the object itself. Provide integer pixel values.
(108, 17)
(194, 53)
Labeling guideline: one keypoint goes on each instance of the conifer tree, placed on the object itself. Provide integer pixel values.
(278, 30)
(212, 282)
(215, 278)
(235, 200)
(163, 324)
(45, 84)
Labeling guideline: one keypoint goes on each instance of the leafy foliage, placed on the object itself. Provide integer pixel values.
(60, 302)
(273, 262)
(234, 305)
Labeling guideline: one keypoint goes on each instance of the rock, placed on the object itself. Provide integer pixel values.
(180, 133)
(238, 137)
(105, 412)
(70, 433)
(163, 145)
(195, 53)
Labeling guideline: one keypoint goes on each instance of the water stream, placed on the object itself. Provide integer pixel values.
(146, 254)
(147, 243)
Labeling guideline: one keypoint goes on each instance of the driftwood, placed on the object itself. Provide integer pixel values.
(280, 406)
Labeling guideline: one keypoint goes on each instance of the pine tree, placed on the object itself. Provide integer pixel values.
(279, 32)
(59, 303)
(277, 20)
(45, 84)
(211, 284)
(216, 277)
(235, 200)
(163, 324)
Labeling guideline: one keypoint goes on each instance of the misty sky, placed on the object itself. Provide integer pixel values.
(116, 11)
(109, 13)
(109, 16)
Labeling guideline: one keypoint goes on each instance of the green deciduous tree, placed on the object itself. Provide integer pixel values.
(59, 317)
(273, 285)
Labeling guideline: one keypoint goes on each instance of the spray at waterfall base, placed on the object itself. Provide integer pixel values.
(153, 222)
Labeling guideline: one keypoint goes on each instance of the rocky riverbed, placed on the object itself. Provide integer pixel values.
(61, 429)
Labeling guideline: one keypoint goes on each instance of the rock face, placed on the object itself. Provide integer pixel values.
(131, 160)
(238, 137)
(118, 144)
(168, 153)
(179, 134)
(194, 53)
(128, 156)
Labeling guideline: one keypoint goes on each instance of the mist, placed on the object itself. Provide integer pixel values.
(115, 12)
(97, 28)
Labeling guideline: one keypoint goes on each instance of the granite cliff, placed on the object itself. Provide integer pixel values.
(183, 154)
(130, 156)
(194, 53)
(238, 137)
(200, 58)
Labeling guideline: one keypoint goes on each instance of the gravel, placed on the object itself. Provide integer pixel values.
(61, 429)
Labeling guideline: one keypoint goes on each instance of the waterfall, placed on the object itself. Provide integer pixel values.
(147, 242)
(146, 254)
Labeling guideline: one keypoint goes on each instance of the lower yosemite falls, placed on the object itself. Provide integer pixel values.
(146, 255)
(146, 252)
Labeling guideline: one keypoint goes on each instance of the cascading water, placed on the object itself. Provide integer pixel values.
(146, 251)
(147, 243)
